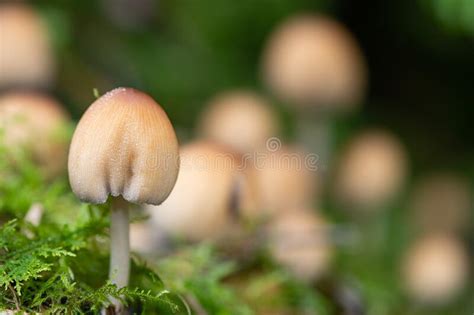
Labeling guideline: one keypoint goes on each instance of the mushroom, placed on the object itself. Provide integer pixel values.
(285, 178)
(298, 240)
(435, 268)
(145, 239)
(313, 63)
(371, 171)
(123, 146)
(241, 120)
(210, 192)
(37, 124)
(27, 56)
(442, 202)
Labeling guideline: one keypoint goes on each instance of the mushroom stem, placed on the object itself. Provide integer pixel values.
(315, 133)
(119, 243)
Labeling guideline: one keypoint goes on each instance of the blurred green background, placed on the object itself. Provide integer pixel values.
(419, 53)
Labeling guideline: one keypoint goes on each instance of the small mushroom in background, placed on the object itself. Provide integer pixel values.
(370, 172)
(435, 268)
(37, 124)
(242, 120)
(299, 241)
(314, 64)
(210, 192)
(284, 178)
(313, 61)
(145, 239)
(26, 53)
(124, 146)
(442, 201)
(34, 214)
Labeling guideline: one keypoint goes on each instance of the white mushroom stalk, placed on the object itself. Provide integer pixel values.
(126, 147)
(119, 243)
(316, 133)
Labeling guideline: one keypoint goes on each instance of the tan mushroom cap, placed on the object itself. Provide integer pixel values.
(435, 268)
(442, 202)
(241, 120)
(371, 170)
(313, 61)
(209, 193)
(124, 145)
(285, 178)
(37, 124)
(26, 52)
(298, 240)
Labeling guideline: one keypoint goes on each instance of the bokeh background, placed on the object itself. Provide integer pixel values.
(419, 58)
(418, 53)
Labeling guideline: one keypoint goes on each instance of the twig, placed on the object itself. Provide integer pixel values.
(195, 305)
(15, 298)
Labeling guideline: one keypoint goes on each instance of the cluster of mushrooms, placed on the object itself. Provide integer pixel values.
(124, 150)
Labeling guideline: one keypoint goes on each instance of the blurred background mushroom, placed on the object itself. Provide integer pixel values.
(300, 241)
(146, 240)
(286, 178)
(435, 268)
(209, 195)
(313, 61)
(28, 60)
(242, 120)
(314, 65)
(36, 126)
(371, 171)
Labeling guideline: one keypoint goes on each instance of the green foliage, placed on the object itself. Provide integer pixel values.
(37, 274)
(60, 266)
(197, 274)
(453, 15)
(220, 286)
(275, 288)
